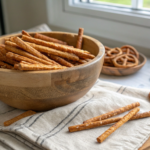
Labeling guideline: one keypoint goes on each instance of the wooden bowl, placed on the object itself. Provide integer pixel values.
(114, 71)
(44, 90)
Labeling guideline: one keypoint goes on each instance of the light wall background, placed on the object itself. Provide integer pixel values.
(25, 14)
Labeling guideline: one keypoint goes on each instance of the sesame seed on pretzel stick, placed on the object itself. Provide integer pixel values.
(49, 39)
(79, 38)
(113, 113)
(91, 125)
(113, 128)
(78, 52)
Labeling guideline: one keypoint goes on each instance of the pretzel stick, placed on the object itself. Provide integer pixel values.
(38, 67)
(30, 49)
(91, 125)
(7, 39)
(21, 116)
(20, 58)
(5, 64)
(26, 33)
(61, 60)
(2, 49)
(23, 53)
(113, 128)
(49, 39)
(113, 113)
(79, 38)
(60, 47)
(5, 59)
(24, 62)
(54, 52)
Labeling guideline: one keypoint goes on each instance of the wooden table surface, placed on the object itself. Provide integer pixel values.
(138, 80)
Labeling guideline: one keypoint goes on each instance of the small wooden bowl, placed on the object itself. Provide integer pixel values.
(44, 90)
(114, 71)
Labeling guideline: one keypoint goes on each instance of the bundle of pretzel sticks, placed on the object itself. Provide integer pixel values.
(118, 122)
(124, 57)
(40, 52)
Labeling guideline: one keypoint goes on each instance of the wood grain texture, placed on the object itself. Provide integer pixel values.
(44, 90)
(124, 71)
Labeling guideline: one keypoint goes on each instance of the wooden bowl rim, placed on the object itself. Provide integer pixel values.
(138, 66)
(97, 58)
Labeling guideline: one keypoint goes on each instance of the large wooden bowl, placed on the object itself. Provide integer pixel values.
(44, 90)
(114, 71)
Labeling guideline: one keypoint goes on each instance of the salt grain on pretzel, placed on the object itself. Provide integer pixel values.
(113, 128)
(60, 47)
(91, 125)
(113, 113)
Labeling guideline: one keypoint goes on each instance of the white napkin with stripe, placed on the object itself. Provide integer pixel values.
(49, 130)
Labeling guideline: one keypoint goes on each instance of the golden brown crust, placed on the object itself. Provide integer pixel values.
(105, 122)
(113, 128)
(49, 39)
(23, 53)
(61, 60)
(79, 38)
(19, 58)
(6, 65)
(60, 47)
(32, 67)
(113, 113)
(26, 33)
(23, 115)
(54, 52)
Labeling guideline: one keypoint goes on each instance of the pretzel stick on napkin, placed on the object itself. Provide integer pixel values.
(91, 125)
(113, 113)
(113, 128)
(79, 38)
(6, 65)
(23, 115)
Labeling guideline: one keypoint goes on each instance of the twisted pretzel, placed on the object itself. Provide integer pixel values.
(127, 49)
(112, 53)
(125, 61)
